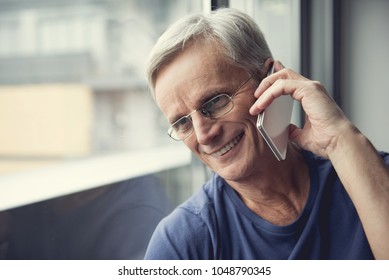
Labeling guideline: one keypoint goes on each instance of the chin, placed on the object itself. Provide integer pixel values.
(233, 173)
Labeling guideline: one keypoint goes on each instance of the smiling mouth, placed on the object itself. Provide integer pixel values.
(228, 147)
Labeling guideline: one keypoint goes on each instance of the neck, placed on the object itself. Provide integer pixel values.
(278, 190)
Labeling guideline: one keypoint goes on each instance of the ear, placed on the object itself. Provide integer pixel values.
(268, 63)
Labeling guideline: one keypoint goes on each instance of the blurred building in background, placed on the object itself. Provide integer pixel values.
(72, 78)
(74, 102)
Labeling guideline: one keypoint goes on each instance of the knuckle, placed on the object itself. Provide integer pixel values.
(287, 72)
(317, 85)
(279, 82)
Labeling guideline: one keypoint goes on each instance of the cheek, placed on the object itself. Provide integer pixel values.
(245, 102)
(242, 114)
(191, 143)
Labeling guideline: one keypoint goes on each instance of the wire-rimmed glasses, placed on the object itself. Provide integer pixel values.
(214, 108)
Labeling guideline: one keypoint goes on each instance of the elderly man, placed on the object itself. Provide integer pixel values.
(329, 199)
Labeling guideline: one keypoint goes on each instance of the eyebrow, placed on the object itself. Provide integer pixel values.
(212, 93)
(174, 118)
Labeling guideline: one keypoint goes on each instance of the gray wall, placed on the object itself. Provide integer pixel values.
(365, 67)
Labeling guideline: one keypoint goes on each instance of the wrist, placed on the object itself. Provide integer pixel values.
(347, 140)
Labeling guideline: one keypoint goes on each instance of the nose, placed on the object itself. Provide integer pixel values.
(205, 129)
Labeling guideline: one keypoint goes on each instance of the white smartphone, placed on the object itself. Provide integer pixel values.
(273, 123)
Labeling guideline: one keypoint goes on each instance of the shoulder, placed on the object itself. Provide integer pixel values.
(187, 233)
(385, 157)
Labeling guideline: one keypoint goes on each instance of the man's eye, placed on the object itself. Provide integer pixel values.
(182, 124)
(216, 103)
(182, 121)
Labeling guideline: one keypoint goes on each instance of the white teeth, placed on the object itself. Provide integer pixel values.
(227, 147)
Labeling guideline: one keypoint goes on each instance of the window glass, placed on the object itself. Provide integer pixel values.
(80, 129)
(279, 21)
(72, 78)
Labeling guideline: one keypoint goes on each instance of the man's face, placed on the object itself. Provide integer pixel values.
(229, 145)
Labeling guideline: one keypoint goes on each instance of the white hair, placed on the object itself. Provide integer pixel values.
(235, 32)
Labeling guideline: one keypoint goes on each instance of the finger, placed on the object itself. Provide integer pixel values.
(294, 133)
(267, 82)
(300, 136)
(281, 73)
(297, 136)
(296, 89)
(266, 98)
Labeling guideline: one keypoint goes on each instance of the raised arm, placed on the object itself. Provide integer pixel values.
(328, 133)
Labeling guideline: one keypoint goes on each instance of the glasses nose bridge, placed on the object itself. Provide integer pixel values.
(207, 114)
(204, 112)
(202, 127)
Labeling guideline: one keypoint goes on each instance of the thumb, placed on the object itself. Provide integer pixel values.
(296, 134)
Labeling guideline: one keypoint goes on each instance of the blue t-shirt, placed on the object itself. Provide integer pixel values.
(216, 224)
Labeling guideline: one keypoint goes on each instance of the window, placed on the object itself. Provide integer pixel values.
(280, 22)
(72, 80)
(80, 129)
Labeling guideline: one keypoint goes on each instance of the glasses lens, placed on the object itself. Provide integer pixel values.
(181, 128)
(218, 106)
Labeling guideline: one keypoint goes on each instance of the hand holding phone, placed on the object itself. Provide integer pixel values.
(273, 123)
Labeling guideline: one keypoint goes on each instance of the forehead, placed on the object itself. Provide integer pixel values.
(200, 70)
